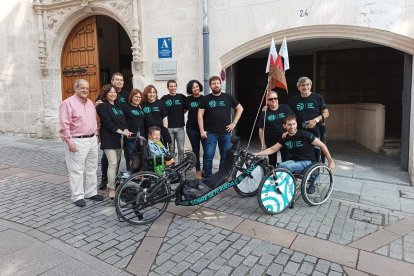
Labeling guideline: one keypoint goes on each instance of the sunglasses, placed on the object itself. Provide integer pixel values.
(272, 99)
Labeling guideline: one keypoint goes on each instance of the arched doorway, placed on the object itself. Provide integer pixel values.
(346, 72)
(97, 47)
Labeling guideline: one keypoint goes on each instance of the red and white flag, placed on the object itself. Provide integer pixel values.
(285, 55)
(275, 69)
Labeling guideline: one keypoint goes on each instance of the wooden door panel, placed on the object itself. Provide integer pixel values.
(80, 58)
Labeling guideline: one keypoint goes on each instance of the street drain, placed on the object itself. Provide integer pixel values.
(367, 216)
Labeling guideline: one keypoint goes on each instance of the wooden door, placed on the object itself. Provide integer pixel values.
(80, 58)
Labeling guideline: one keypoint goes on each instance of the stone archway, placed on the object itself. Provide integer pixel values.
(392, 40)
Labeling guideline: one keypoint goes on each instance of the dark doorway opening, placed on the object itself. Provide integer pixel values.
(115, 54)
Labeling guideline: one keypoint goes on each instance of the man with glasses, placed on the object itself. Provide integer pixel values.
(271, 126)
(310, 108)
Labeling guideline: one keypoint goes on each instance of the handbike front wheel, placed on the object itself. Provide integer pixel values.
(317, 184)
(142, 198)
(276, 191)
(249, 185)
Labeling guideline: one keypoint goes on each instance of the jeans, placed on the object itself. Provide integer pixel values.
(195, 139)
(295, 166)
(273, 157)
(177, 135)
(224, 144)
(129, 146)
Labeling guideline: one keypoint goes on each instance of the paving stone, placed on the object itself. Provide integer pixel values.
(306, 268)
(241, 270)
(323, 266)
(274, 270)
(200, 265)
(291, 268)
(282, 258)
(235, 261)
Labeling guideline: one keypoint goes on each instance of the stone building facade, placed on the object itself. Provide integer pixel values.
(34, 33)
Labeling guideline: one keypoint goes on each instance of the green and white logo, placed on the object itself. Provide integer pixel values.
(300, 106)
(271, 118)
(168, 103)
(289, 145)
(194, 104)
(212, 104)
(147, 109)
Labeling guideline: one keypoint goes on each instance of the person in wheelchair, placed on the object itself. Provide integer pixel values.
(156, 147)
(301, 146)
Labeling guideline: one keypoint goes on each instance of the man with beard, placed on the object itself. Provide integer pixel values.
(214, 121)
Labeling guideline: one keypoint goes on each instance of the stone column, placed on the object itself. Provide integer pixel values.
(137, 61)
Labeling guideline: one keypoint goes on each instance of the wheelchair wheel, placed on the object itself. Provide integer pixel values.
(142, 198)
(250, 184)
(276, 191)
(317, 184)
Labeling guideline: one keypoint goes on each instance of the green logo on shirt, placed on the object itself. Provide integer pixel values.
(271, 118)
(289, 145)
(147, 109)
(194, 104)
(300, 106)
(212, 104)
(168, 103)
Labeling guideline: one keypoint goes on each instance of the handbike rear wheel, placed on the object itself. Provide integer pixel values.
(250, 184)
(142, 198)
(322, 179)
(276, 191)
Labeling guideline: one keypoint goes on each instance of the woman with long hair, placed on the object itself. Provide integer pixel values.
(113, 128)
(194, 89)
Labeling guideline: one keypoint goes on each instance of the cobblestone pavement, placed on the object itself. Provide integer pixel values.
(35, 194)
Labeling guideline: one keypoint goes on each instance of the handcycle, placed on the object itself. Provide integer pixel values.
(144, 196)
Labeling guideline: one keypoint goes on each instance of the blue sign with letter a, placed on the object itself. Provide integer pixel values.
(164, 47)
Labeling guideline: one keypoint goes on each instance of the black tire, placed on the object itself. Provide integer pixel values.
(249, 185)
(323, 184)
(142, 198)
(276, 191)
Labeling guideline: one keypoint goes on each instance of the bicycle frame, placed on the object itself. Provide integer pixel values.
(216, 191)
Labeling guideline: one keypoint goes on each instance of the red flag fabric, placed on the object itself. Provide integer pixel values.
(277, 74)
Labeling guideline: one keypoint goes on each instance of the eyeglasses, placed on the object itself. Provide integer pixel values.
(305, 84)
(272, 99)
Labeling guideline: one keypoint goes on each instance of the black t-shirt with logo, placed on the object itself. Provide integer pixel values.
(154, 113)
(273, 126)
(192, 105)
(135, 118)
(175, 106)
(122, 98)
(307, 109)
(217, 112)
(300, 145)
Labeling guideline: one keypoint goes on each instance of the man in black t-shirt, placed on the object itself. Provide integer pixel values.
(310, 108)
(214, 121)
(175, 105)
(300, 144)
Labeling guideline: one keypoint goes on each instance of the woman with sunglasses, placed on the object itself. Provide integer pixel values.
(271, 126)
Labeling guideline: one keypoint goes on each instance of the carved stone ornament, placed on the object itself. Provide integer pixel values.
(52, 13)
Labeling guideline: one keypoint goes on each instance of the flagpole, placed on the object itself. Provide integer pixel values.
(257, 115)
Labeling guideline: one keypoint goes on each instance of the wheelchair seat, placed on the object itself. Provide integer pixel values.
(197, 188)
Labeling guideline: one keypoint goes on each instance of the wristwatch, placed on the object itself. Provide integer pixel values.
(317, 120)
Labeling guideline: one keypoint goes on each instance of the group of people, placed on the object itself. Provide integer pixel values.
(118, 117)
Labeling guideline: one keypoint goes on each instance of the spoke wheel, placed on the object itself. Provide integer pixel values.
(318, 192)
(276, 191)
(249, 185)
(142, 198)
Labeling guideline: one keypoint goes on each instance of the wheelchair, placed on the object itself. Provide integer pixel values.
(279, 188)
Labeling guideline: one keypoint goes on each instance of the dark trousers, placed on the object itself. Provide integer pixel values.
(273, 157)
(195, 141)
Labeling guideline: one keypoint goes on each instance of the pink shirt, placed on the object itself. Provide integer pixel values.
(77, 118)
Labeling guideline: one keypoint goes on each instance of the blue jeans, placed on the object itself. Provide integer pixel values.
(224, 144)
(195, 140)
(295, 166)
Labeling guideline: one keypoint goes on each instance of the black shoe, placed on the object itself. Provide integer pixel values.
(103, 184)
(80, 203)
(311, 189)
(96, 197)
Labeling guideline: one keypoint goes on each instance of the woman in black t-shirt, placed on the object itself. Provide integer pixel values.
(113, 128)
(135, 118)
(271, 128)
(194, 89)
(155, 113)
